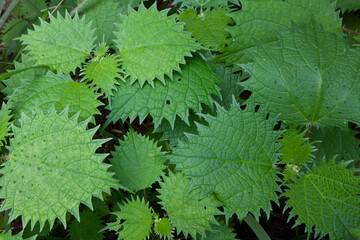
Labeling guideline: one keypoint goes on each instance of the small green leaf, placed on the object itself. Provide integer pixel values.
(187, 212)
(12, 30)
(138, 220)
(5, 116)
(9, 236)
(138, 162)
(152, 44)
(327, 198)
(50, 44)
(53, 168)
(163, 228)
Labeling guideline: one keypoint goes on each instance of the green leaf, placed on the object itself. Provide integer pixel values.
(230, 85)
(220, 232)
(5, 116)
(295, 148)
(19, 79)
(103, 73)
(13, 29)
(327, 198)
(234, 157)
(194, 86)
(31, 8)
(138, 162)
(209, 28)
(87, 228)
(348, 5)
(311, 57)
(163, 228)
(8, 236)
(187, 212)
(53, 168)
(152, 44)
(138, 220)
(336, 142)
(55, 90)
(263, 19)
(104, 15)
(63, 44)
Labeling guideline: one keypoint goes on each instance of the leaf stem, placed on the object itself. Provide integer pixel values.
(350, 31)
(77, 8)
(256, 227)
(55, 8)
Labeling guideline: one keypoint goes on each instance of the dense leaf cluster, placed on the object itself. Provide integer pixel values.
(163, 88)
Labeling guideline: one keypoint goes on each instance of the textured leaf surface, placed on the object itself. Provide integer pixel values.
(187, 212)
(348, 4)
(163, 228)
(152, 44)
(194, 86)
(233, 157)
(137, 162)
(28, 12)
(209, 28)
(5, 116)
(63, 44)
(263, 19)
(327, 197)
(336, 142)
(295, 149)
(312, 57)
(203, 3)
(138, 220)
(229, 85)
(53, 168)
(18, 80)
(88, 227)
(104, 16)
(220, 232)
(55, 90)
(104, 74)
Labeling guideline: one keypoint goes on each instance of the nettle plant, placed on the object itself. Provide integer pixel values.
(137, 104)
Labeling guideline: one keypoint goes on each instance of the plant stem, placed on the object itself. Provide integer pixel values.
(350, 31)
(309, 130)
(55, 8)
(256, 227)
(77, 8)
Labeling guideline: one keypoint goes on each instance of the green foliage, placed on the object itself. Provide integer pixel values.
(56, 91)
(209, 28)
(53, 163)
(236, 107)
(138, 162)
(104, 73)
(264, 19)
(315, 201)
(50, 44)
(195, 215)
(9, 236)
(5, 116)
(152, 45)
(138, 220)
(295, 149)
(87, 228)
(321, 60)
(236, 145)
(187, 91)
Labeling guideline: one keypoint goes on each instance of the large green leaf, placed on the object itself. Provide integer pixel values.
(263, 19)
(138, 162)
(234, 157)
(53, 168)
(194, 86)
(187, 212)
(9, 236)
(203, 3)
(63, 44)
(327, 198)
(348, 4)
(313, 77)
(138, 220)
(152, 44)
(55, 90)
